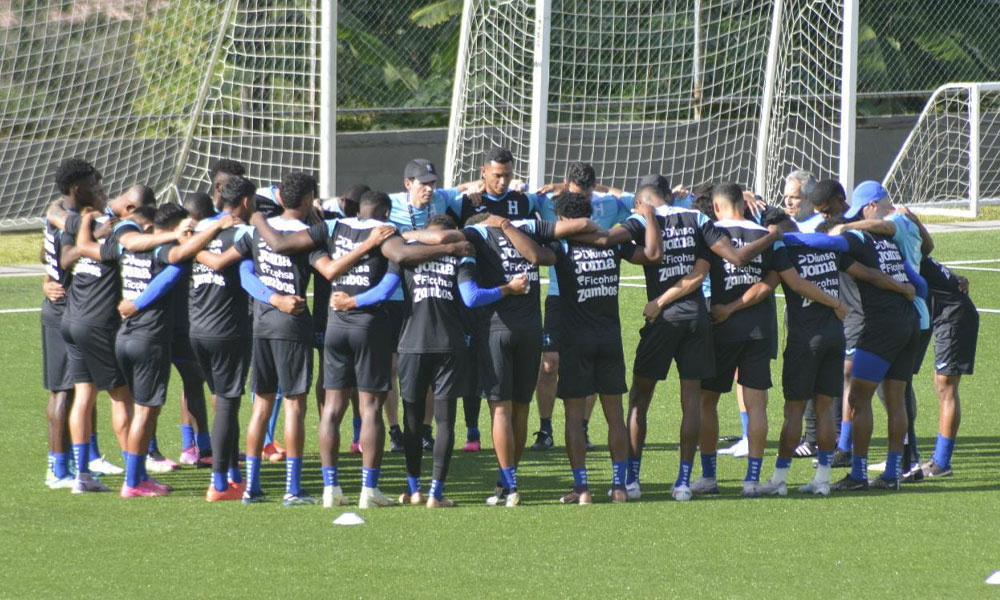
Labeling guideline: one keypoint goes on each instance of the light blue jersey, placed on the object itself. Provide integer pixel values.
(407, 217)
(907, 239)
(810, 223)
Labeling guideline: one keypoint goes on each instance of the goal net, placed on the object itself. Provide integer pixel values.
(950, 163)
(698, 90)
(152, 91)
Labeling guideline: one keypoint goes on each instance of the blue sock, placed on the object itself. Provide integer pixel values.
(369, 477)
(619, 473)
(783, 463)
(510, 477)
(893, 461)
(634, 465)
(753, 469)
(253, 474)
(437, 489)
(580, 479)
(81, 454)
(684, 473)
(502, 479)
(219, 481)
(546, 426)
(943, 450)
(472, 434)
(412, 484)
(204, 441)
(235, 476)
(273, 421)
(133, 469)
(331, 476)
(187, 436)
(708, 465)
(823, 457)
(60, 464)
(95, 451)
(153, 445)
(357, 430)
(142, 469)
(859, 468)
(745, 422)
(844, 442)
(293, 475)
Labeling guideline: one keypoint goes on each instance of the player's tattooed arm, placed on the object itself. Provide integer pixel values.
(810, 290)
(755, 294)
(412, 254)
(289, 243)
(880, 280)
(219, 262)
(332, 268)
(875, 226)
(684, 286)
(194, 244)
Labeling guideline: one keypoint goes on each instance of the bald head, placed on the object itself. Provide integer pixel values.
(651, 195)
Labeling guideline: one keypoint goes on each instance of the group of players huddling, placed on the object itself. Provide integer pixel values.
(440, 290)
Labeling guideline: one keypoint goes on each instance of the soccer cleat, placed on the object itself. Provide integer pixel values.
(396, 441)
(499, 497)
(877, 467)
(154, 488)
(591, 446)
(334, 496)
(102, 465)
(232, 492)
(428, 443)
(433, 502)
(355, 448)
(157, 463)
(163, 487)
(513, 499)
(848, 484)
(373, 498)
(932, 469)
(407, 498)
(820, 488)
(806, 449)
(205, 462)
(189, 456)
(881, 483)
(128, 491)
(770, 488)
(64, 483)
(272, 453)
(840, 459)
(914, 475)
(681, 493)
(472, 446)
(705, 485)
(300, 500)
(253, 497)
(738, 450)
(582, 498)
(751, 489)
(90, 484)
(633, 491)
(543, 441)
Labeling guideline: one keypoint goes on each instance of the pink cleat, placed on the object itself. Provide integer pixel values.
(135, 492)
(355, 448)
(189, 456)
(155, 488)
(472, 446)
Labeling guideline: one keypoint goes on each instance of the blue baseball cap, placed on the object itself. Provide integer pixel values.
(866, 193)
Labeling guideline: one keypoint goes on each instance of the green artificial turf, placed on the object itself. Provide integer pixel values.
(934, 539)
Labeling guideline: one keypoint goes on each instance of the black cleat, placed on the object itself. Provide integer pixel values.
(396, 441)
(880, 483)
(428, 442)
(591, 446)
(543, 441)
(932, 469)
(848, 484)
(840, 460)
(914, 475)
(805, 450)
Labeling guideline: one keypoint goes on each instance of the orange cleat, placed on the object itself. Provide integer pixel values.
(273, 452)
(233, 492)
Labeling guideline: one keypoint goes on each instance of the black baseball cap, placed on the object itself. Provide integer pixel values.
(658, 181)
(422, 170)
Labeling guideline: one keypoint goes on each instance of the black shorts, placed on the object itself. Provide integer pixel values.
(591, 366)
(397, 314)
(225, 364)
(751, 357)
(809, 369)
(508, 364)
(550, 330)
(473, 385)
(146, 367)
(955, 346)
(895, 342)
(445, 373)
(359, 358)
(284, 363)
(56, 374)
(924, 341)
(91, 353)
(688, 343)
(854, 324)
(180, 349)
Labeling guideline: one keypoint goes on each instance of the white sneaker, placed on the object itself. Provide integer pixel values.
(513, 499)
(770, 488)
(820, 488)
(82, 486)
(632, 491)
(751, 489)
(334, 496)
(877, 467)
(65, 483)
(681, 493)
(102, 465)
(370, 498)
(738, 450)
(499, 498)
(704, 485)
(164, 465)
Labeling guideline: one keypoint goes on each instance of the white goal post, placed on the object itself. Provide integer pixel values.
(950, 162)
(698, 90)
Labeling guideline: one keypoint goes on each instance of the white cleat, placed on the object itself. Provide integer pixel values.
(499, 498)
(632, 491)
(65, 483)
(738, 450)
(513, 499)
(163, 465)
(771, 488)
(681, 493)
(334, 496)
(83, 486)
(371, 498)
(751, 489)
(102, 465)
(704, 485)
(820, 488)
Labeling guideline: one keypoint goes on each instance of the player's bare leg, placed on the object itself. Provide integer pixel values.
(611, 404)
(332, 414)
(545, 393)
(576, 451)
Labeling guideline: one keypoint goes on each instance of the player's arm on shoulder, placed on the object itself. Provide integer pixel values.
(529, 249)
(754, 295)
(332, 268)
(136, 241)
(85, 242)
(754, 249)
(880, 280)
(194, 244)
(615, 236)
(290, 243)
(570, 227)
(874, 226)
(218, 262)
(652, 248)
(807, 289)
(57, 215)
(432, 238)
(405, 254)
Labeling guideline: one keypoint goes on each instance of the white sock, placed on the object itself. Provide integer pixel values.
(823, 474)
(780, 476)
